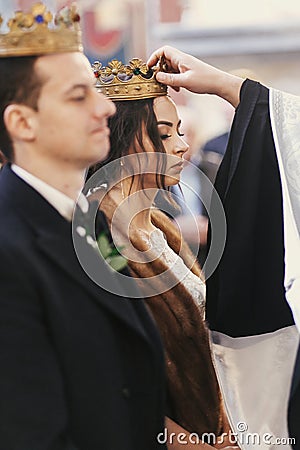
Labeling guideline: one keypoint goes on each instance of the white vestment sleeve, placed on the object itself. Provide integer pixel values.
(285, 120)
(255, 374)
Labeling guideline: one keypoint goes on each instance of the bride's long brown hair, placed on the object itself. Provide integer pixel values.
(133, 122)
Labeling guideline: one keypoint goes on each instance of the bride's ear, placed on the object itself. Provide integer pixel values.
(20, 121)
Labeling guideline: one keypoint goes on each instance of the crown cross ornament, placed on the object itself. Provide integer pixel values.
(30, 33)
(134, 81)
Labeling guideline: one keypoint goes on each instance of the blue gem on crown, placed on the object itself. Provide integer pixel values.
(39, 18)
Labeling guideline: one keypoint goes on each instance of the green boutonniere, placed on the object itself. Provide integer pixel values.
(110, 253)
(84, 226)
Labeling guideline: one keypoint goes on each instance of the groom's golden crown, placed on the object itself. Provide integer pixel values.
(134, 81)
(31, 33)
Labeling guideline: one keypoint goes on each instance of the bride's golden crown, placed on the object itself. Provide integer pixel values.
(31, 33)
(134, 81)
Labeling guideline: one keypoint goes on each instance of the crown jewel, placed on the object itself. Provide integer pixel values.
(29, 33)
(134, 81)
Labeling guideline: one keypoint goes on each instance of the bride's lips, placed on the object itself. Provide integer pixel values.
(178, 165)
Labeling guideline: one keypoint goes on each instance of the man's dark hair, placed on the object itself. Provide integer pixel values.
(19, 83)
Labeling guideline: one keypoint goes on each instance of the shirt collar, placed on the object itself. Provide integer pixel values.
(61, 202)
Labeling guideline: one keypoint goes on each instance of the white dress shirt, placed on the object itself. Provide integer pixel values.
(61, 202)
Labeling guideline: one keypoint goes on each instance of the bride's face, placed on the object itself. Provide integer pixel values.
(168, 124)
(147, 163)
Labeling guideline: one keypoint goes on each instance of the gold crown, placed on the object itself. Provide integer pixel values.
(134, 81)
(29, 33)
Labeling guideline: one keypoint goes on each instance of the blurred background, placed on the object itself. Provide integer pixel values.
(258, 38)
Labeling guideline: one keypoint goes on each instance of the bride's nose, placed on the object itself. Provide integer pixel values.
(181, 147)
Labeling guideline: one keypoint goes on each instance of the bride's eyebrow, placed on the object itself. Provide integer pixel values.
(165, 122)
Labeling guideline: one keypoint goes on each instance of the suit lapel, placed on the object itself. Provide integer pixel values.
(61, 251)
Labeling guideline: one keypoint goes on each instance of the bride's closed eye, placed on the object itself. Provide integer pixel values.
(165, 136)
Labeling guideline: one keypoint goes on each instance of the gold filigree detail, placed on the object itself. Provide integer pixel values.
(127, 82)
(137, 64)
(39, 11)
(67, 16)
(96, 66)
(29, 33)
(39, 16)
(114, 68)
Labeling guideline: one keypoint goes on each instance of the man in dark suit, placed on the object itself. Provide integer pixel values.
(253, 295)
(81, 368)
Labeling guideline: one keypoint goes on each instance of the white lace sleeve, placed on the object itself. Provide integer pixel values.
(192, 283)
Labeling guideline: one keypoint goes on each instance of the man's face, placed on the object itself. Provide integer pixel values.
(71, 121)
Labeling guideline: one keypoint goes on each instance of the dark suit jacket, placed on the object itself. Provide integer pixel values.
(245, 294)
(81, 369)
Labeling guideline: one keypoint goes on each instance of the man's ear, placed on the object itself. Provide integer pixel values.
(20, 122)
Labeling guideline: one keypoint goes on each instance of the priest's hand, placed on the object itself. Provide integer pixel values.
(189, 72)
